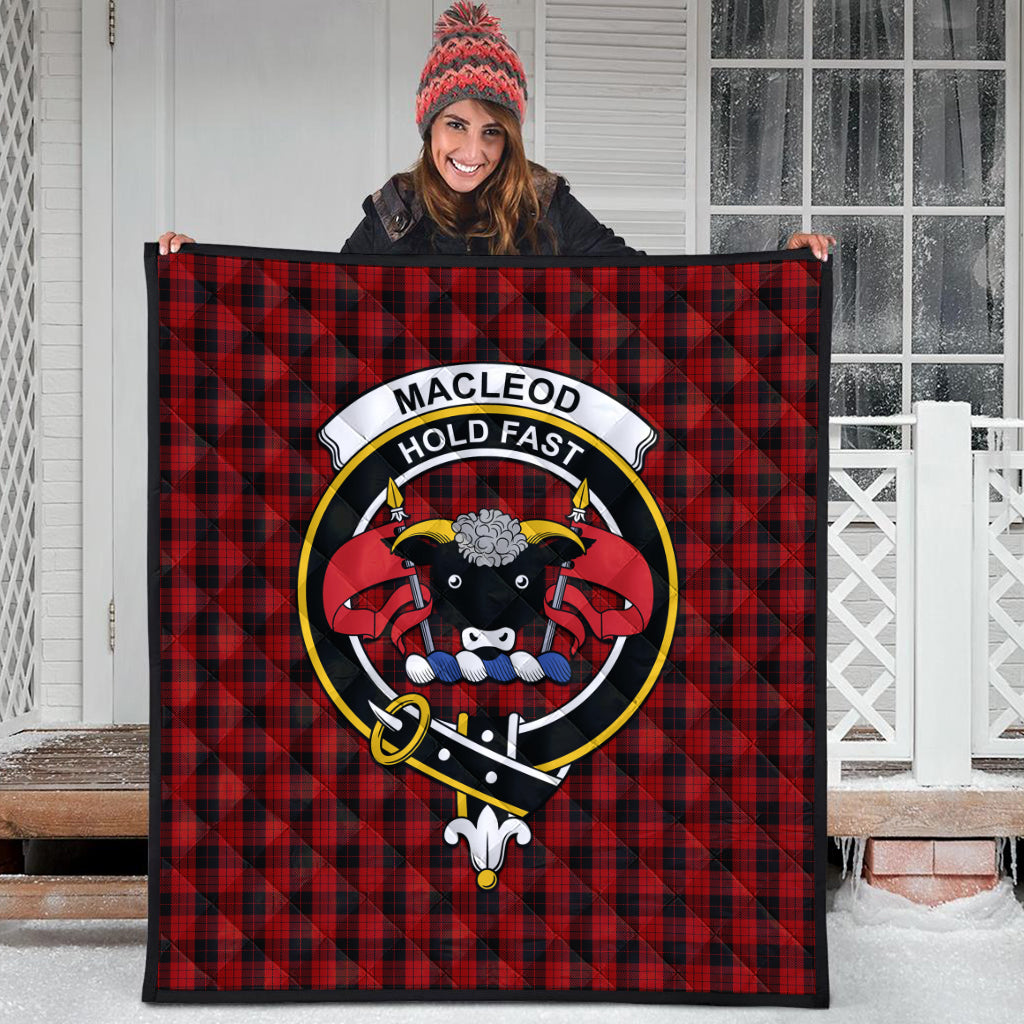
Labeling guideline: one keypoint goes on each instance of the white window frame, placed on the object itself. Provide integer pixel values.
(700, 185)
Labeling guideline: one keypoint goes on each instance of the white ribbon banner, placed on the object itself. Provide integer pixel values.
(476, 384)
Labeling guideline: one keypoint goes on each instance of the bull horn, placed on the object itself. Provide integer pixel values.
(536, 530)
(437, 529)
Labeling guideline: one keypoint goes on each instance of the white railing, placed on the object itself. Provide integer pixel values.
(926, 595)
(998, 593)
(870, 628)
(19, 367)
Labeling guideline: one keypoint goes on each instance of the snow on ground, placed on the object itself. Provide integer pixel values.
(890, 961)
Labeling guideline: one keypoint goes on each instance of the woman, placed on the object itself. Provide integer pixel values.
(473, 190)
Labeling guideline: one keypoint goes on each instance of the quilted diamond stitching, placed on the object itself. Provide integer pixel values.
(286, 343)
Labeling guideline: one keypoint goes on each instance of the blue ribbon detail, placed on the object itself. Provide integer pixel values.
(446, 667)
(500, 668)
(556, 666)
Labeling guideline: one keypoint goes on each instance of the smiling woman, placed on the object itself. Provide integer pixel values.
(473, 190)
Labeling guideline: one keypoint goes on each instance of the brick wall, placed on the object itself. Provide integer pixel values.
(60, 334)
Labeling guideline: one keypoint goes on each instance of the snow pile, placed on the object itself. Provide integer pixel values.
(993, 909)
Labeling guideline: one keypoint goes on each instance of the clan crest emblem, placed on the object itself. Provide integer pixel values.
(463, 635)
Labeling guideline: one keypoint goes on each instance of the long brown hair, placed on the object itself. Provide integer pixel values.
(504, 204)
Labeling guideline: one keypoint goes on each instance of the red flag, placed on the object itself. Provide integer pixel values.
(361, 563)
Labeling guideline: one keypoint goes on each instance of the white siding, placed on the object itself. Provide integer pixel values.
(615, 113)
(60, 273)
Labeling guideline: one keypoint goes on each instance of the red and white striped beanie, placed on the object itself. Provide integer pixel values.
(470, 59)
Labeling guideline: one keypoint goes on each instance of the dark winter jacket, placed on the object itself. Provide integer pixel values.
(396, 223)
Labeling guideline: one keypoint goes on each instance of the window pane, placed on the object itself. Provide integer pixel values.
(756, 136)
(959, 138)
(958, 284)
(751, 233)
(757, 28)
(858, 29)
(863, 436)
(857, 138)
(865, 389)
(867, 313)
(959, 30)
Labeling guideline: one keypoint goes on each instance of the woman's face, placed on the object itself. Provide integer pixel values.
(466, 144)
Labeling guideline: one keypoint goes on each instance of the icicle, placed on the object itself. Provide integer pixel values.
(859, 846)
(851, 850)
(1007, 843)
(843, 842)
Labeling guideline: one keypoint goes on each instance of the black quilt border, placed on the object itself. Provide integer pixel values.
(820, 998)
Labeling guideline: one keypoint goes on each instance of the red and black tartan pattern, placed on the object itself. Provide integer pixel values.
(683, 860)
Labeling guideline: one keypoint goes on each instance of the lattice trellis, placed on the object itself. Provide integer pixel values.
(998, 717)
(18, 385)
(870, 663)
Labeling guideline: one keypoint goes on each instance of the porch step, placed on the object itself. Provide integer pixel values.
(75, 783)
(76, 757)
(72, 783)
(884, 801)
(73, 814)
(27, 897)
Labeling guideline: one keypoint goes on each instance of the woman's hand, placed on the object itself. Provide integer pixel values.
(169, 240)
(818, 243)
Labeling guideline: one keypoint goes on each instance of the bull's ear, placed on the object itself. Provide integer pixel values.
(418, 550)
(562, 549)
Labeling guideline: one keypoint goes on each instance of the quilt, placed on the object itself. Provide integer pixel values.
(487, 610)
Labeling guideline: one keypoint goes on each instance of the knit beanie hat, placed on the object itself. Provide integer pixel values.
(470, 59)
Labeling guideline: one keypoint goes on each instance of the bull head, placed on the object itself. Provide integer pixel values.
(487, 572)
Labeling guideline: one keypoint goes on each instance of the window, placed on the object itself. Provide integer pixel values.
(893, 125)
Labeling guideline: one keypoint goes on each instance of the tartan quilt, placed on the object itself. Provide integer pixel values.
(487, 610)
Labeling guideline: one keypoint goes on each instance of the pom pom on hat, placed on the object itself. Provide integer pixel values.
(470, 59)
(461, 14)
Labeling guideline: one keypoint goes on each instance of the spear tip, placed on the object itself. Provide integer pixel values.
(581, 499)
(394, 494)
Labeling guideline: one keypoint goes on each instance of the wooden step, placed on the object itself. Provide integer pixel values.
(73, 814)
(72, 758)
(75, 784)
(962, 813)
(93, 783)
(26, 897)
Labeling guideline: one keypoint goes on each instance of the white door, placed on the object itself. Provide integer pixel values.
(246, 122)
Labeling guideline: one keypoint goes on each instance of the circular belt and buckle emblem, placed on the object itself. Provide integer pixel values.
(404, 609)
